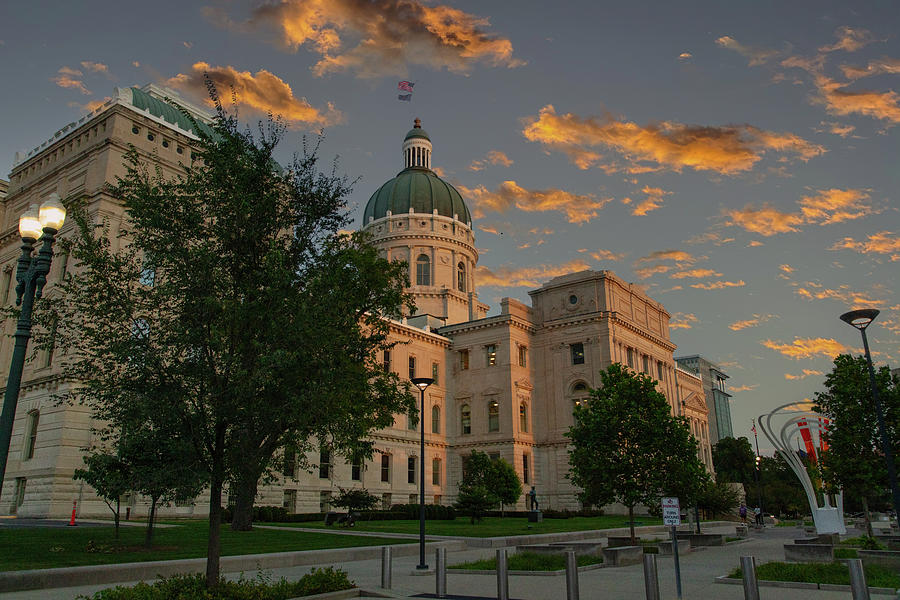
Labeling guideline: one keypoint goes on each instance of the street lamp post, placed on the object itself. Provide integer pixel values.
(758, 478)
(31, 276)
(422, 383)
(861, 319)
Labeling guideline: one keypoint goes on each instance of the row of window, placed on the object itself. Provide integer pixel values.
(411, 365)
(290, 500)
(493, 417)
(59, 153)
(356, 468)
(423, 272)
(490, 356)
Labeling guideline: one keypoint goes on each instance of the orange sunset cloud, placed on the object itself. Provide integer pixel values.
(262, 92)
(806, 373)
(766, 221)
(823, 208)
(728, 150)
(653, 201)
(881, 66)
(525, 276)
(849, 39)
(683, 321)
(718, 285)
(694, 274)
(808, 347)
(578, 208)
(846, 295)
(68, 77)
(883, 242)
(379, 37)
(757, 56)
(747, 323)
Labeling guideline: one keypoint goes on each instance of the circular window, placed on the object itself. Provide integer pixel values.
(573, 299)
(179, 150)
(150, 137)
(165, 144)
(135, 130)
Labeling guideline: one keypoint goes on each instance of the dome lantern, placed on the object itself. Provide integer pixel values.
(417, 148)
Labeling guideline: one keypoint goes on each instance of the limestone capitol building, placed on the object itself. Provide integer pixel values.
(505, 384)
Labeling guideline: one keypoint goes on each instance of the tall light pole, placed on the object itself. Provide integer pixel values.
(31, 276)
(422, 383)
(861, 319)
(758, 476)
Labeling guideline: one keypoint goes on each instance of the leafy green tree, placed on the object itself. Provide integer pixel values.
(628, 448)
(352, 499)
(486, 484)
(782, 493)
(110, 477)
(230, 312)
(475, 499)
(718, 498)
(734, 460)
(506, 483)
(854, 459)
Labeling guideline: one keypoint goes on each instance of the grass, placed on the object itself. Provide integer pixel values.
(43, 548)
(488, 527)
(864, 542)
(732, 539)
(529, 561)
(876, 576)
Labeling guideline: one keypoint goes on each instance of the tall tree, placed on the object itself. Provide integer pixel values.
(734, 460)
(854, 459)
(628, 448)
(506, 483)
(231, 304)
(487, 484)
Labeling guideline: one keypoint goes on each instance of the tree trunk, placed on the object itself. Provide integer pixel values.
(868, 518)
(631, 523)
(213, 546)
(148, 540)
(116, 517)
(245, 494)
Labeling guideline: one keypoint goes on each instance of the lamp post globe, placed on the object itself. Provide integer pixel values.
(422, 383)
(861, 319)
(35, 224)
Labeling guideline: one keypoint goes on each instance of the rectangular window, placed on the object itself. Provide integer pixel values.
(356, 470)
(491, 354)
(324, 464)
(493, 416)
(411, 469)
(526, 473)
(463, 360)
(523, 356)
(290, 501)
(387, 361)
(630, 354)
(494, 456)
(646, 364)
(33, 419)
(290, 463)
(412, 367)
(386, 468)
(578, 354)
(411, 420)
(324, 502)
(20, 492)
(436, 472)
(659, 371)
(435, 371)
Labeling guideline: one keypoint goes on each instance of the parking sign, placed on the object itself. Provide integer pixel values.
(671, 511)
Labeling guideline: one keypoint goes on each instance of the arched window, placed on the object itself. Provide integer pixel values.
(423, 270)
(523, 417)
(493, 416)
(435, 419)
(465, 419)
(579, 393)
(435, 471)
(33, 418)
(461, 277)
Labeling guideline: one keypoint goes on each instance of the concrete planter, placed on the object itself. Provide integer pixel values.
(623, 555)
(808, 553)
(703, 539)
(885, 558)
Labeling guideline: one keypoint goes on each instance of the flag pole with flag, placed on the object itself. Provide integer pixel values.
(405, 86)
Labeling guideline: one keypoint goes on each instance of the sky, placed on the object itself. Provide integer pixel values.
(738, 160)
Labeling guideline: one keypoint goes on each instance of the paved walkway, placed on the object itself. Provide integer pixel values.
(698, 568)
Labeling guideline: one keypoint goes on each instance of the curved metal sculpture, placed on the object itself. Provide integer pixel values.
(828, 518)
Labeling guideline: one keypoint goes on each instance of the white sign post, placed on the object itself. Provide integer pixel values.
(671, 510)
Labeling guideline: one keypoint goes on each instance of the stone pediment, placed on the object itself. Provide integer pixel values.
(524, 384)
(695, 402)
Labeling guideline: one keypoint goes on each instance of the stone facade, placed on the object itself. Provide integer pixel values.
(505, 384)
(718, 401)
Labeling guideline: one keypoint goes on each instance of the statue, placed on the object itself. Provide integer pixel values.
(532, 500)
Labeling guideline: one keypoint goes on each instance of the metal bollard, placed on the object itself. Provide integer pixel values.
(386, 567)
(571, 576)
(502, 575)
(440, 570)
(751, 585)
(858, 586)
(651, 578)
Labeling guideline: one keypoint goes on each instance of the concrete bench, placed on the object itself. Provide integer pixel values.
(885, 558)
(665, 548)
(703, 539)
(741, 531)
(808, 553)
(623, 555)
(617, 541)
(580, 548)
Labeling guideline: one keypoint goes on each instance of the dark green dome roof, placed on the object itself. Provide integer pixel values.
(417, 132)
(420, 189)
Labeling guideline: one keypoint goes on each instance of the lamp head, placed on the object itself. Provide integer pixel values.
(30, 224)
(860, 318)
(52, 213)
(422, 382)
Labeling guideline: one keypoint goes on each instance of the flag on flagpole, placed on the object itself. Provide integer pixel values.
(405, 97)
(753, 427)
(405, 86)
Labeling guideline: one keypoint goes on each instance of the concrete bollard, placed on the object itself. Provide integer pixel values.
(751, 585)
(386, 567)
(502, 575)
(651, 578)
(858, 586)
(440, 570)
(571, 576)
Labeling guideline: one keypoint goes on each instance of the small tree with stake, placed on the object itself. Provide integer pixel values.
(110, 477)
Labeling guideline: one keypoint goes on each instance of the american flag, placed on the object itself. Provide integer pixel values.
(405, 86)
(405, 97)
(753, 428)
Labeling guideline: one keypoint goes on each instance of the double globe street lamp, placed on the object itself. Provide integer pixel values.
(35, 224)
(422, 383)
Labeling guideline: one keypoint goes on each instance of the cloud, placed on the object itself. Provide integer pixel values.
(756, 55)
(525, 276)
(677, 255)
(494, 157)
(694, 274)
(188, 45)
(728, 150)
(806, 373)
(374, 38)
(880, 66)
(883, 242)
(754, 322)
(685, 56)
(743, 388)
(839, 101)
(683, 321)
(844, 293)
(577, 208)
(262, 92)
(835, 205)
(653, 201)
(808, 347)
(68, 77)
(135, 63)
(604, 254)
(95, 67)
(839, 129)
(786, 268)
(752, 243)
(766, 221)
(646, 272)
(849, 39)
(718, 285)
(92, 105)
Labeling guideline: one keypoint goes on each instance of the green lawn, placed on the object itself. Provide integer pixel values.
(528, 561)
(876, 576)
(41, 548)
(488, 527)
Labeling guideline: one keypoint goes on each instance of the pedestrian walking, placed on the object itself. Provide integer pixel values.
(743, 512)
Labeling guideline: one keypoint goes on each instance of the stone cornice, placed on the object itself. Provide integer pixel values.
(612, 317)
(431, 236)
(487, 323)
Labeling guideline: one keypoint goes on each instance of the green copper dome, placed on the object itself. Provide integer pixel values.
(420, 189)
(417, 131)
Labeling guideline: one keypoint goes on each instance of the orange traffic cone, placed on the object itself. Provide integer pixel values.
(72, 520)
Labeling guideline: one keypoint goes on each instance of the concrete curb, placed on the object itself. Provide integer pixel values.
(15, 581)
(453, 571)
(802, 585)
